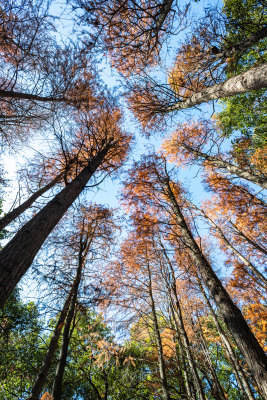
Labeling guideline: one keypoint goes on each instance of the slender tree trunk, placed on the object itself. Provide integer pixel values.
(42, 375)
(18, 255)
(238, 370)
(233, 169)
(250, 241)
(255, 78)
(181, 360)
(218, 390)
(11, 94)
(166, 8)
(12, 215)
(239, 48)
(178, 319)
(58, 381)
(246, 341)
(162, 369)
(247, 263)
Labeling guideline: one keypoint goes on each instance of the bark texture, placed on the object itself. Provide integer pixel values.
(246, 341)
(238, 371)
(18, 255)
(255, 78)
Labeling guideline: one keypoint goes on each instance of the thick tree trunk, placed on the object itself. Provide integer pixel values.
(58, 381)
(18, 255)
(239, 373)
(247, 263)
(233, 169)
(12, 215)
(42, 375)
(162, 369)
(246, 341)
(255, 78)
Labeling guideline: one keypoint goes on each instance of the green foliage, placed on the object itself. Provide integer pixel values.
(246, 113)
(20, 347)
(97, 365)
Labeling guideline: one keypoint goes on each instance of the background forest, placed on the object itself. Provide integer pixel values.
(133, 238)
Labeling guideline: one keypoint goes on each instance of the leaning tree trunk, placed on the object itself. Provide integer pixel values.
(42, 375)
(255, 78)
(58, 381)
(250, 241)
(12, 215)
(260, 180)
(18, 255)
(234, 320)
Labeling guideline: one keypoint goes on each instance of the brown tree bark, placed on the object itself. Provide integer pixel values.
(18, 255)
(246, 341)
(238, 48)
(238, 370)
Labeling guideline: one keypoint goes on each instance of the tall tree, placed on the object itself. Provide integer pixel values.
(106, 148)
(158, 187)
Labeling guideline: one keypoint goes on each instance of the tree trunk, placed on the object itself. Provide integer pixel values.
(255, 78)
(166, 8)
(239, 48)
(233, 169)
(178, 319)
(18, 255)
(42, 375)
(218, 390)
(12, 215)
(247, 263)
(239, 373)
(250, 241)
(57, 385)
(246, 341)
(28, 96)
(162, 369)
